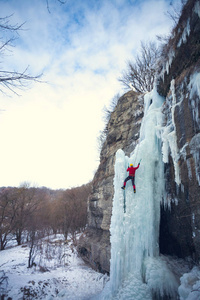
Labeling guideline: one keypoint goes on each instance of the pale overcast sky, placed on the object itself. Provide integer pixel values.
(49, 132)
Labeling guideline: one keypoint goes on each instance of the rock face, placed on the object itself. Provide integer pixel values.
(179, 82)
(122, 133)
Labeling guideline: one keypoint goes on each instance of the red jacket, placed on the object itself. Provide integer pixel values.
(132, 170)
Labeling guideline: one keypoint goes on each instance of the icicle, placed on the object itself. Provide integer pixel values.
(197, 8)
(185, 34)
(169, 138)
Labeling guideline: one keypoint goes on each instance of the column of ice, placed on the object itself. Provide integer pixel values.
(134, 234)
(169, 137)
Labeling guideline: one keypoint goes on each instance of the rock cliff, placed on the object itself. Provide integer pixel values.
(178, 81)
(122, 133)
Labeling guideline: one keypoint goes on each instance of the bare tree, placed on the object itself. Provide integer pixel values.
(32, 251)
(175, 12)
(34, 223)
(37, 212)
(8, 207)
(26, 204)
(140, 75)
(11, 79)
(72, 210)
(56, 217)
(34, 236)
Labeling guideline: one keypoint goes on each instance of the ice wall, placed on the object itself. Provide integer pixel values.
(169, 137)
(137, 271)
(194, 103)
(169, 134)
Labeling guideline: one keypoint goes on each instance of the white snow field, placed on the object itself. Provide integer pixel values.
(59, 273)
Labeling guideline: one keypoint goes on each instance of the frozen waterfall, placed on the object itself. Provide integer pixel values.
(137, 271)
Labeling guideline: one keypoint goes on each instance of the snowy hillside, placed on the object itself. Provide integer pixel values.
(58, 274)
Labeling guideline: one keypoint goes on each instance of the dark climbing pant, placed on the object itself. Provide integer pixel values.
(128, 178)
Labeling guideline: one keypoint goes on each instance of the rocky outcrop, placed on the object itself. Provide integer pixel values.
(183, 50)
(122, 133)
(179, 82)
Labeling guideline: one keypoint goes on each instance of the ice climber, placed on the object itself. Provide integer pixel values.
(131, 176)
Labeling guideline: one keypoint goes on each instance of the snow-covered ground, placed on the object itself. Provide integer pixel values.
(59, 273)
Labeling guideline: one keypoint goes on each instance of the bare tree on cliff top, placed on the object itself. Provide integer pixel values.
(11, 79)
(140, 75)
